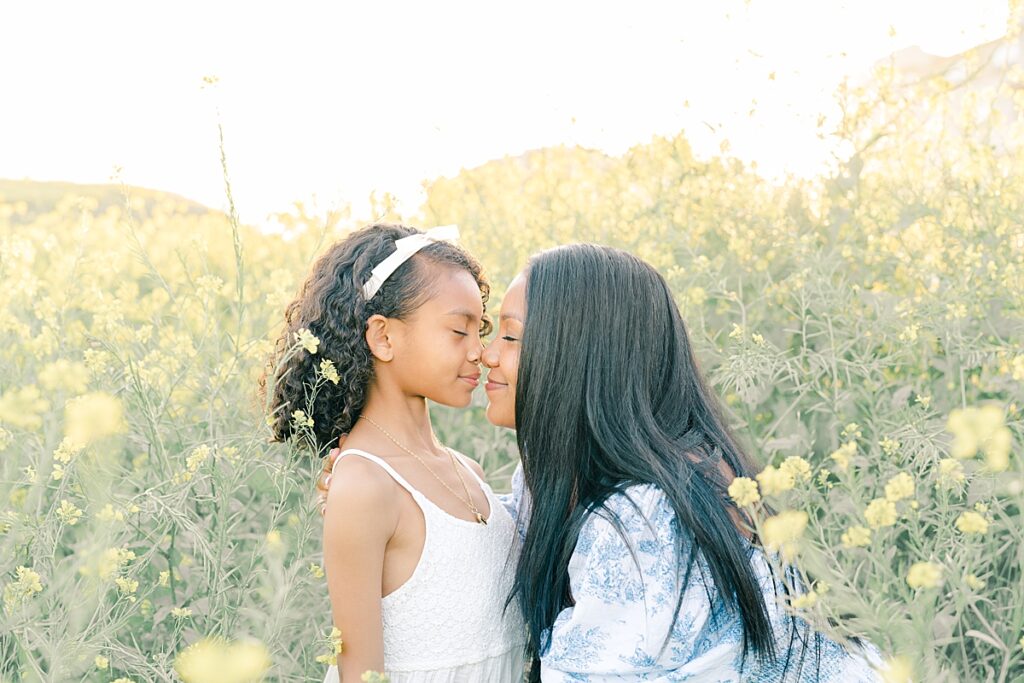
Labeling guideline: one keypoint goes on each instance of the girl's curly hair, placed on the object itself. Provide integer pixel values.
(331, 306)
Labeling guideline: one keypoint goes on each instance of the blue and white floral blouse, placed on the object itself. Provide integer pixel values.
(616, 629)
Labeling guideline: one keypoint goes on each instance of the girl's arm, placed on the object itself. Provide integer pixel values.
(360, 517)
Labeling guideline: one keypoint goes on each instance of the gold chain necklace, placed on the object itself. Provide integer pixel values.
(469, 499)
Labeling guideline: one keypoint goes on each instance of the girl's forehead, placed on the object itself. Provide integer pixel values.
(456, 290)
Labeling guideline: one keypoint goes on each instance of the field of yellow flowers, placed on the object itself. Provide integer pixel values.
(866, 329)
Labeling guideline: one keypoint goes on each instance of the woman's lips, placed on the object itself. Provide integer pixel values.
(471, 380)
(494, 386)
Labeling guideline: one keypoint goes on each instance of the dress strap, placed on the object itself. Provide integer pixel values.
(380, 461)
(465, 463)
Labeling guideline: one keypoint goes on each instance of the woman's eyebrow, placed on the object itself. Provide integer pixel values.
(511, 316)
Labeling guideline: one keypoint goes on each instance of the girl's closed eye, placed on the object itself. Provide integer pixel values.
(461, 333)
(510, 338)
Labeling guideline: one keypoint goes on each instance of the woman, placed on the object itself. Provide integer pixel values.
(635, 565)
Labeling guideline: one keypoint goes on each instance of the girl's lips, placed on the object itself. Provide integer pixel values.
(472, 381)
(494, 386)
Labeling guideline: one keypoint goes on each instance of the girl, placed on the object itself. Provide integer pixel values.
(417, 549)
(635, 564)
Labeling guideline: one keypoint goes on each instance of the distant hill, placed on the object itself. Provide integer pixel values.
(43, 196)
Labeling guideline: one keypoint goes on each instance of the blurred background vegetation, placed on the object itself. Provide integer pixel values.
(142, 508)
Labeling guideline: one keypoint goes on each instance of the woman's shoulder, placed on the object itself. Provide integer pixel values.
(640, 512)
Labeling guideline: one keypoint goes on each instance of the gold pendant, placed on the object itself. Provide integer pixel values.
(480, 518)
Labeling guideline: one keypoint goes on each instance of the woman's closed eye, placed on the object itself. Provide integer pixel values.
(509, 338)
(461, 333)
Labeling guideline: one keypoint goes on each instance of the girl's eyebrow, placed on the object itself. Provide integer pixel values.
(464, 313)
(511, 316)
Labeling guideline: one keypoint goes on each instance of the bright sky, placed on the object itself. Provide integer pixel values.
(333, 99)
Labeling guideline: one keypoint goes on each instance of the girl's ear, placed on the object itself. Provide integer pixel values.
(378, 338)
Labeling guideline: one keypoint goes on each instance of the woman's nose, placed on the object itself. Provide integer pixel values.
(490, 356)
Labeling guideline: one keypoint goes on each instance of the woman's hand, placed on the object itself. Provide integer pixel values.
(323, 482)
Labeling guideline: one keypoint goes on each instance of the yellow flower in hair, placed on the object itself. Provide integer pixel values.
(307, 339)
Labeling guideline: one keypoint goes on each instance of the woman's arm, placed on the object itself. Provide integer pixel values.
(625, 592)
(360, 517)
(518, 501)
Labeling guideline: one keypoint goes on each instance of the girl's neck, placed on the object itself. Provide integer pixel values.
(406, 418)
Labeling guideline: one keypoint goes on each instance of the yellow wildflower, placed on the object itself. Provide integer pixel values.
(274, 542)
(109, 514)
(880, 512)
(924, 575)
(973, 582)
(899, 487)
(25, 586)
(329, 372)
(856, 536)
(23, 407)
(68, 513)
(93, 416)
(334, 644)
(951, 471)
(797, 467)
(64, 374)
(126, 586)
(774, 481)
(101, 662)
(743, 491)
(783, 532)
(316, 570)
(736, 332)
(181, 612)
(897, 670)
(889, 446)
(841, 456)
(983, 428)
(300, 420)
(307, 340)
(214, 660)
(971, 522)
(197, 457)
(66, 450)
(805, 600)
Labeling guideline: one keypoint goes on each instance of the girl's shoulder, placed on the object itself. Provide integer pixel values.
(360, 484)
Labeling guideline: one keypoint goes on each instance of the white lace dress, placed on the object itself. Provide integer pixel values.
(446, 623)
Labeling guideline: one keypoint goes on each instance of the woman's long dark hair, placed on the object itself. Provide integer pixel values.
(609, 395)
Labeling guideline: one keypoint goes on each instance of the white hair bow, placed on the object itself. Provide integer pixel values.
(405, 248)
